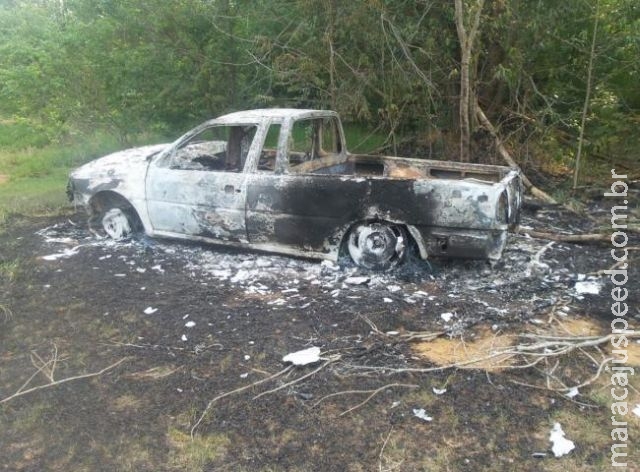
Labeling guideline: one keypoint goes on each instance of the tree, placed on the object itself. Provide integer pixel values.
(466, 36)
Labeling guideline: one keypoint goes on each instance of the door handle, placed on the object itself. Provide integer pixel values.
(230, 189)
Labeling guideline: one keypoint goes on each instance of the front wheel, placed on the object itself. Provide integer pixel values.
(117, 224)
(378, 246)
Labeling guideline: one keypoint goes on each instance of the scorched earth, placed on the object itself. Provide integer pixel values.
(155, 355)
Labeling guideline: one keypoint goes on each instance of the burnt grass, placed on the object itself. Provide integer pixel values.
(89, 308)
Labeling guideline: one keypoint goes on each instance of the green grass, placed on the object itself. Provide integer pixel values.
(33, 173)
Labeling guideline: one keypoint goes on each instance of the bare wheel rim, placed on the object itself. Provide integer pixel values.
(116, 224)
(377, 245)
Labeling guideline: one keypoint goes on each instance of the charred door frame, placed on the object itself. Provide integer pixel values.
(200, 204)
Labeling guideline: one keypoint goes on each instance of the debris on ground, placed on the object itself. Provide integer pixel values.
(421, 414)
(560, 445)
(304, 357)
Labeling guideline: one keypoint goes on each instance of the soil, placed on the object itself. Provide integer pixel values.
(193, 322)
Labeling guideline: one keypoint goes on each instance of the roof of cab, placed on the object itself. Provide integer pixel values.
(272, 113)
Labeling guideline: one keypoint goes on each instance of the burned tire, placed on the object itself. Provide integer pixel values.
(112, 216)
(377, 245)
(117, 224)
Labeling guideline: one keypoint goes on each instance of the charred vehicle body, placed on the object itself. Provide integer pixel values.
(281, 180)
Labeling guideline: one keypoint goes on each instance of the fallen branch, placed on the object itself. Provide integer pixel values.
(373, 394)
(535, 349)
(299, 379)
(356, 392)
(567, 238)
(502, 150)
(237, 390)
(21, 392)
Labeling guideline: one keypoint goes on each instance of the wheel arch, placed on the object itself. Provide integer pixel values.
(106, 199)
(414, 235)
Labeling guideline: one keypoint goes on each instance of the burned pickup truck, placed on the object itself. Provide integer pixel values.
(282, 180)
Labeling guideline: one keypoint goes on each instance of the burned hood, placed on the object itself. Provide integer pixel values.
(122, 170)
(118, 162)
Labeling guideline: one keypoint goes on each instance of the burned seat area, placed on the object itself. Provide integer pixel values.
(218, 148)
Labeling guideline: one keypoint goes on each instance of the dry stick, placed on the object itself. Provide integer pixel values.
(580, 385)
(349, 392)
(68, 379)
(40, 369)
(373, 394)
(384, 444)
(6, 312)
(299, 379)
(562, 345)
(567, 238)
(407, 336)
(237, 390)
(502, 150)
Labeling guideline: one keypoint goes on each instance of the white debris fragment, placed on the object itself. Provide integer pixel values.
(573, 392)
(304, 357)
(636, 410)
(394, 288)
(420, 293)
(150, 310)
(62, 255)
(245, 375)
(141, 270)
(392, 333)
(247, 357)
(387, 300)
(158, 268)
(240, 276)
(356, 280)
(325, 264)
(590, 287)
(446, 317)
(439, 391)
(184, 337)
(422, 414)
(559, 444)
(277, 302)
(190, 324)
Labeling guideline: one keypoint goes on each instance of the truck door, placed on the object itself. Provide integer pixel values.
(199, 187)
(300, 204)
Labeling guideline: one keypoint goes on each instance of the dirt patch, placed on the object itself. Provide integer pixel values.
(483, 351)
(4, 178)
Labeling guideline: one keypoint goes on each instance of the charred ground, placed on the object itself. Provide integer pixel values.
(86, 307)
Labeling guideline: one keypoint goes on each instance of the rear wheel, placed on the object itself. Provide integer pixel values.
(378, 246)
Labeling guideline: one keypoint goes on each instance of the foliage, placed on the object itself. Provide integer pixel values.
(74, 66)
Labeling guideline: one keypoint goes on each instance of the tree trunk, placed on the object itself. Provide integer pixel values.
(502, 150)
(331, 7)
(466, 47)
(587, 97)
